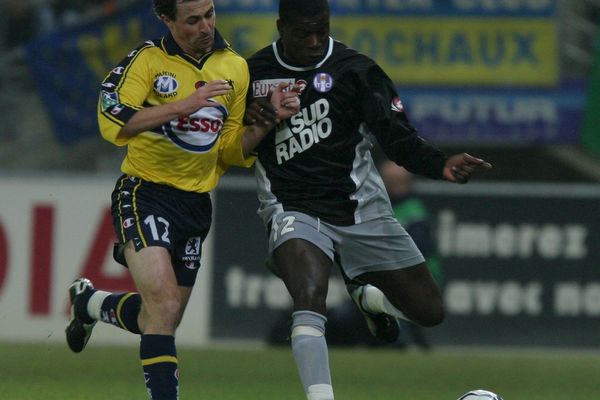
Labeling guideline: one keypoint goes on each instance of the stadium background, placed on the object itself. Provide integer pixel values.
(516, 82)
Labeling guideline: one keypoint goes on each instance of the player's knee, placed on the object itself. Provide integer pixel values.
(164, 312)
(310, 297)
(434, 316)
(172, 308)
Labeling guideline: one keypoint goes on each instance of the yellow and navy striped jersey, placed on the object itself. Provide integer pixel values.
(190, 152)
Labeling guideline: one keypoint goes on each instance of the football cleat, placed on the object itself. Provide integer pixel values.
(381, 325)
(80, 328)
(480, 394)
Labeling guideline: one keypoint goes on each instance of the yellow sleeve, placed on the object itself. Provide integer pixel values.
(123, 93)
(230, 148)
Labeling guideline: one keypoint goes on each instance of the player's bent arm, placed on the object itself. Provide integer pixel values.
(285, 104)
(150, 117)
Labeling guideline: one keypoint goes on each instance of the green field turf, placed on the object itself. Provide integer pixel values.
(49, 372)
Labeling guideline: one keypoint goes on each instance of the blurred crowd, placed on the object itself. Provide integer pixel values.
(23, 20)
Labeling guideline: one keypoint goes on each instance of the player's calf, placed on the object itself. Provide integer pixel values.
(381, 325)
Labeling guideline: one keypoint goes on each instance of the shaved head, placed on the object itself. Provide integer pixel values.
(292, 9)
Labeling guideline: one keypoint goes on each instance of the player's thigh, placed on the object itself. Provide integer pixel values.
(303, 256)
(406, 284)
(151, 215)
(302, 265)
(152, 273)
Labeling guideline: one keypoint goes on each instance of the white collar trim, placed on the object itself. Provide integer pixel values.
(310, 67)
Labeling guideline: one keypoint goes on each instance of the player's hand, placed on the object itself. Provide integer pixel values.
(201, 96)
(281, 103)
(285, 100)
(260, 112)
(460, 167)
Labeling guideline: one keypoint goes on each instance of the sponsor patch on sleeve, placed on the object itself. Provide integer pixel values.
(109, 99)
(397, 105)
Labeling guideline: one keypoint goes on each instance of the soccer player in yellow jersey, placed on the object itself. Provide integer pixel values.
(177, 103)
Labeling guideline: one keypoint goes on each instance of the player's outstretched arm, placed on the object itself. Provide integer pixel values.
(460, 167)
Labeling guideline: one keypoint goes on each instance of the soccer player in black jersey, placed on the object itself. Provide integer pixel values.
(177, 103)
(321, 197)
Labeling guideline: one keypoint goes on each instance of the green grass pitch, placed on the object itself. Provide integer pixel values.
(52, 372)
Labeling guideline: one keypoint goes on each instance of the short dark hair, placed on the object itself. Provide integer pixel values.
(291, 9)
(168, 8)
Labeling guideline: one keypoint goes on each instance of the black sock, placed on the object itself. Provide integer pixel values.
(122, 310)
(159, 361)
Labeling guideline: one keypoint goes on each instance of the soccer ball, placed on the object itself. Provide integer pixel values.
(480, 394)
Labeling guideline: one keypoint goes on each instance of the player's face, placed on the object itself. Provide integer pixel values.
(194, 26)
(305, 39)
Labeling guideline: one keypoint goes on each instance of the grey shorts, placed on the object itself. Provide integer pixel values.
(381, 244)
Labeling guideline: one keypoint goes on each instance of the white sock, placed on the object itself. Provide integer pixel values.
(375, 301)
(319, 392)
(95, 303)
(309, 348)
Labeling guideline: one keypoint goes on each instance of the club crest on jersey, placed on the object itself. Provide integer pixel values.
(323, 82)
(165, 84)
(397, 105)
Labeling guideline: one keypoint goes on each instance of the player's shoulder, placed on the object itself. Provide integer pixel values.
(149, 46)
(149, 49)
(264, 55)
(342, 51)
(229, 55)
(232, 64)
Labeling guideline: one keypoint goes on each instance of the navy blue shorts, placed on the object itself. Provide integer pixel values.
(150, 214)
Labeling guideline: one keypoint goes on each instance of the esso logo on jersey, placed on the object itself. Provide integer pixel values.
(198, 133)
(193, 124)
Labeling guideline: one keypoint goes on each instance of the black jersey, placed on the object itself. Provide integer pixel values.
(319, 161)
